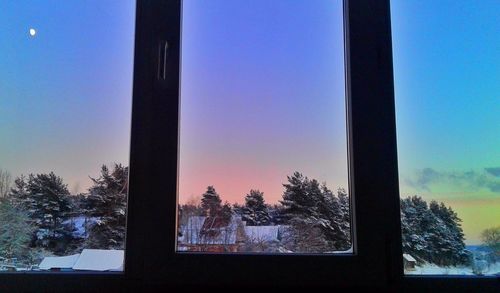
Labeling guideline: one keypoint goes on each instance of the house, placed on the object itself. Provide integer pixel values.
(211, 234)
(214, 234)
(409, 262)
(87, 260)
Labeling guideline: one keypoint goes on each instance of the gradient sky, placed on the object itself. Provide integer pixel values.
(447, 81)
(262, 96)
(65, 94)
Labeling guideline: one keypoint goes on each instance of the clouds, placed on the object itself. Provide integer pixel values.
(429, 180)
(493, 171)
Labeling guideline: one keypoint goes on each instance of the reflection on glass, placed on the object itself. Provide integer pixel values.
(263, 151)
(446, 65)
(65, 107)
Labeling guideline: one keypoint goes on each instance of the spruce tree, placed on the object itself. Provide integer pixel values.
(255, 211)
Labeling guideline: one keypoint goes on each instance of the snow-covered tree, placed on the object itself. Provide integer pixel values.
(211, 202)
(255, 211)
(106, 203)
(313, 212)
(432, 232)
(45, 199)
(16, 231)
(335, 209)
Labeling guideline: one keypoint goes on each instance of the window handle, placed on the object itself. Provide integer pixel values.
(162, 59)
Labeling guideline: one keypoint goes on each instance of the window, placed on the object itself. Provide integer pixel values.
(152, 260)
(446, 80)
(263, 150)
(65, 110)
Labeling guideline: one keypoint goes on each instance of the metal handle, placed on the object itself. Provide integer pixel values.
(162, 60)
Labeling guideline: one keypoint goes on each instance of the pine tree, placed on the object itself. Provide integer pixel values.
(211, 202)
(45, 199)
(313, 211)
(255, 211)
(432, 233)
(106, 202)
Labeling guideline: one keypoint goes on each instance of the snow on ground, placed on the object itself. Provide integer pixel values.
(431, 269)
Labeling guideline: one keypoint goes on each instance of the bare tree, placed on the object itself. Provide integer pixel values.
(5, 183)
(491, 238)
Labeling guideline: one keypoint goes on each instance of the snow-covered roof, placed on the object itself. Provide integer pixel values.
(408, 257)
(59, 262)
(263, 233)
(100, 260)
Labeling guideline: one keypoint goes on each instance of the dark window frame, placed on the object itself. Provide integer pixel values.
(150, 258)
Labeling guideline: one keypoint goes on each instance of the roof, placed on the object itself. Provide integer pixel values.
(59, 262)
(88, 260)
(408, 257)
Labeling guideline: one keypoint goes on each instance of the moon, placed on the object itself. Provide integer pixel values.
(32, 32)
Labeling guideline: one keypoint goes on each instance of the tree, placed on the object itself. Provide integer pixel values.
(491, 238)
(255, 211)
(335, 212)
(5, 183)
(211, 202)
(16, 231)
(315, 215)
(106, 204)
(226, 212)
(432, 233)
(45, 199)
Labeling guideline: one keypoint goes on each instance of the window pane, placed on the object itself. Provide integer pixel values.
(447, 69)
(65, 108)
(263, 148)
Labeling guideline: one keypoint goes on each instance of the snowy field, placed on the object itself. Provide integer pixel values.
(431, 269)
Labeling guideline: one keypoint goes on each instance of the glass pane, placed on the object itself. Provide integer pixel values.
(263, 148)
(65, 114)
(447, 69)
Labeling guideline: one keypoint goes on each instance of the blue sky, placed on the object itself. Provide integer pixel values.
(447, 83)
(65, 94)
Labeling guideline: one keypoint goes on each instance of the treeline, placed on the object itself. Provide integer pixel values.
(39, 216)
(318, 219)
